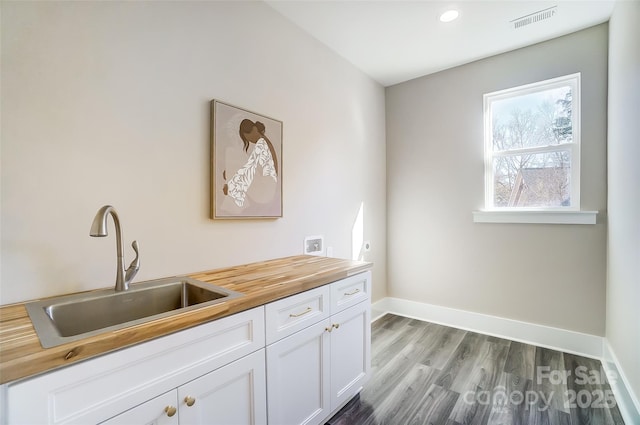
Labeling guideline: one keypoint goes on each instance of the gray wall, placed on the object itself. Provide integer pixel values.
(623, 277)
(108, 102)
(546, 274)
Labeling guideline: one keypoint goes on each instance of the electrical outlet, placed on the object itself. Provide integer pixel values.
(314, 245)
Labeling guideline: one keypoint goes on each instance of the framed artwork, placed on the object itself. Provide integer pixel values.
(246, 161)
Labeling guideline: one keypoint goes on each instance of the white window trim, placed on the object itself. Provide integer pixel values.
(560, 215)
(535, 217)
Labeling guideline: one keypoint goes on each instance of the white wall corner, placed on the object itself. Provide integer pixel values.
(379, 309)
(627, 401)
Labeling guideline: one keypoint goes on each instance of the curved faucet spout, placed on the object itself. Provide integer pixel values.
(99, 229)
(99, 225)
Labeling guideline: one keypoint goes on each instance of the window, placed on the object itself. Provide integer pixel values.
(532, 154)
(532, 146)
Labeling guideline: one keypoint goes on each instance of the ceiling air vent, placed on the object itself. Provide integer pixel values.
(534, 17)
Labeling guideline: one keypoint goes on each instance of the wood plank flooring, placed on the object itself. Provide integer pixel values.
(424, 373)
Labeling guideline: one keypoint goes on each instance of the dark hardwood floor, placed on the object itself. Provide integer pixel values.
(424, 373)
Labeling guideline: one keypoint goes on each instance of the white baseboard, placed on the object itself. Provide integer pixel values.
(544, 336)
(628, 403)
(530, 333)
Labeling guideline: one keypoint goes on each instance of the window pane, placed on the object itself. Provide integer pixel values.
(535, 180)
(535, 119)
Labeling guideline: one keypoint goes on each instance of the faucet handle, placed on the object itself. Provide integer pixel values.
(134, 266)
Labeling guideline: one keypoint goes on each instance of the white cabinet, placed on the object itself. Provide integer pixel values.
(161, 410)
(317, 350)
(232, 395)
(101, 388)
(313, 372)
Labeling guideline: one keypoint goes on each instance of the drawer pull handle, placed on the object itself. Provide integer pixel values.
(355, 291)
(329, 329)
(170, 411)
(308, 310)
(336, 325)
(189, 400)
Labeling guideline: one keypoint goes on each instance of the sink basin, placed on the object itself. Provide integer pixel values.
(72, 317)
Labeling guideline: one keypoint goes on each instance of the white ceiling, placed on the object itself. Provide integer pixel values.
(397, 40)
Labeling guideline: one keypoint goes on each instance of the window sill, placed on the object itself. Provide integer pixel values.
(536, 217)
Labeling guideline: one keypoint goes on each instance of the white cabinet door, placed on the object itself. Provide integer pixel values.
(350, 352)
(162, 410)
(232, 395)
(298, 377)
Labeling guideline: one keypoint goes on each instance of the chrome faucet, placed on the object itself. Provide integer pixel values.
(99, 229)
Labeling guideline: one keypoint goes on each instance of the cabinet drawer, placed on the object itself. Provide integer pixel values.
(350, 291)
(289, 315)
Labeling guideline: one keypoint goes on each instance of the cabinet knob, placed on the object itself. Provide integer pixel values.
(189, 400)
(336, 325)
(328, 329)
(170, 411)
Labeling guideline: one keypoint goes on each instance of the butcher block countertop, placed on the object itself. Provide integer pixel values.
(21, 354)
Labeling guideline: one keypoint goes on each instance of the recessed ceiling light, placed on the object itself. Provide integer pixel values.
(449, 15)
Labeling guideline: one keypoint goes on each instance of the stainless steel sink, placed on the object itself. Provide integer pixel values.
(72, 317)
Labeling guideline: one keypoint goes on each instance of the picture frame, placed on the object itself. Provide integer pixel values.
(246, 164)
